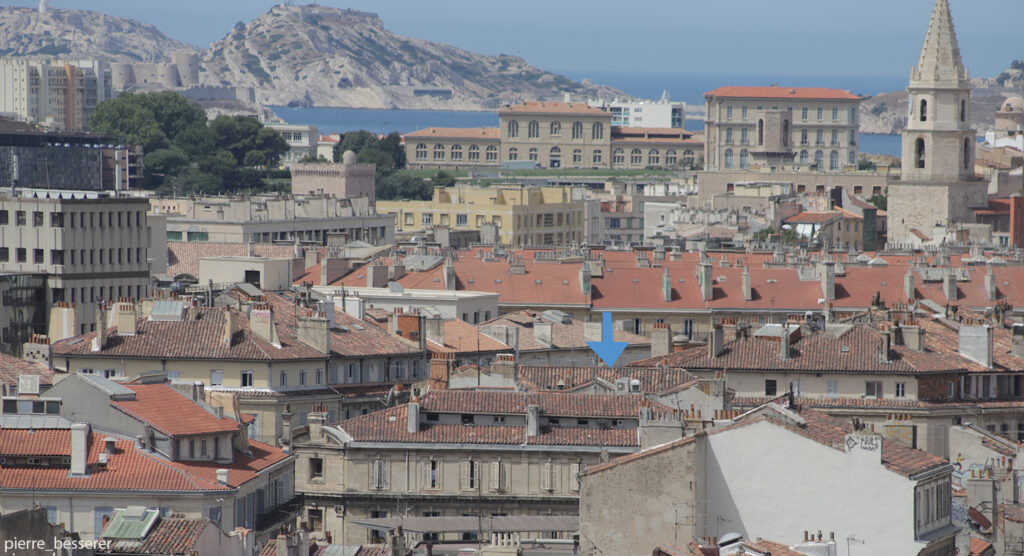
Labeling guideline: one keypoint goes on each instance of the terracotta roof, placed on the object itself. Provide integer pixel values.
(552, 404)
(565, 336)
(815, 217)
(943, 336)
(130, 469)
(168, 411)
(170, 535)
(483, 133)
(12, 367)
(652, 380)
(462, 337)
(855, 351)
(1012, 512)
(980, 547)
(32, 442)
(183, 256)
(553, 108)
(773, 548)
(776, 92)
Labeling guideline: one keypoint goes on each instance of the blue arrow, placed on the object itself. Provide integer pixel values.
(607, 349)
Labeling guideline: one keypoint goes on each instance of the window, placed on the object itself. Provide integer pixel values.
(728, 135)
(819, 137)
(744, 159)
(728, 112)
(4, 219)
(821, 113)
(56, 256)
(19, 218)
(598, 157)
(549, 476)
(577, 156)
(433, 474)
(284, 379)
(835, 136)
(461, 219)
(438, 152)
(729, 162)
(456, 152)
(57, 219)
(577, 130)
(316, 469)
(688, 158)
(469, 475)
(770, 388)
(246, 378)
(38, 256)
(636, 157)
(427, 218)
(832, 388)
(513, 129)
(785, 133)
(835, 114)
(803, 157)
(963, 110)
(743, 112)
(901, 389)
(924, 110)
(760, 132)
(379, 474)
(618, 157)
(803, 136)
(597, 131)
(653, 157)
(474, 153)
(37, 219)
(492, 153)
(919, 156)
(302, 377)
(967, 153)
(5, 254)
(533, 130)
(216, 377)
(833, 160)
(670, 158)
(556, 129)
(819, 159)
(498, 476)
(513, 154)
(873, 389)
(803, 113)
(533, 153)
(796, 387)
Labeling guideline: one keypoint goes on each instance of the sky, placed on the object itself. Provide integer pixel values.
(786, 37)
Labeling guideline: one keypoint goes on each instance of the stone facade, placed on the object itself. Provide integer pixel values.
(344, 181)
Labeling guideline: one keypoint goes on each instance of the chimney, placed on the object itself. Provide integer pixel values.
(100, 341)
(439, 370)
(716, 340)
(1017, 346)
(316, 419)
(828, 280)
(355, 307)
(976, 344)
(332, 269)
(748, 291)
(413, 410)
(913, 337)
(449, 276)
(261, 324)
(286, 429)
(585, 278)
(79, 449)
(329, 313)
(396, 272)
(908, 285)
(666, 286)
(222, 477)
(62, 321)
(707, 289)
(661, 340)
(376, 275)
(990, 285)
(312, 257)
(230, 327)
(435, 330)
(949, 286)
(532, 420)
(885, 346)
(784, 342)
(313, 332)
(542, 333)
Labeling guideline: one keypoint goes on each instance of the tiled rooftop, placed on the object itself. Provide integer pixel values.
(553, 108)
(170, 535)
(12, 367)
(566, 336)
(776, 92)
(454, 133)
(462, 337)
(652, 380)
(171, 413)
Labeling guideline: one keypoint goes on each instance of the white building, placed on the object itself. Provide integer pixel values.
(59, 96)
(644, 113)
(303, 140)
(470, 306)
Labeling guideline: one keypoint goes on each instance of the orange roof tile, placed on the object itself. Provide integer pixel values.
(29, 442)
(776, 92)
(462, 337)
(168, 411)
(488, 133)
(553, 108)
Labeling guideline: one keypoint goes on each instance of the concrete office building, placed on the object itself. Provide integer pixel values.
(87, 247)
(59, 96)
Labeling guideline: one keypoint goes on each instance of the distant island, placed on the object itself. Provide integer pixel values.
(304, 56)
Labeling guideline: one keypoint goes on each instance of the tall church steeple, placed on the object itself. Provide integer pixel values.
(938, 143)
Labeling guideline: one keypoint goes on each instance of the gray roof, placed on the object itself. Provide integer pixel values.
(451, 524)
(108, 386)
(12, 421)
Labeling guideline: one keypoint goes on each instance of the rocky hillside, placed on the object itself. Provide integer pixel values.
(320, 56)
(82, 34)
(886, 113)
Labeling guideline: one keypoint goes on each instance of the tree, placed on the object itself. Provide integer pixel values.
(864, 163)
(387, 154)
(880, 201)
(161, 163)
(442, 179)
(764, 234)
(397, 186)
(127, 118)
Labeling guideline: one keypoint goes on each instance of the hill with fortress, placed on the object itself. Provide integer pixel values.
(292, 55)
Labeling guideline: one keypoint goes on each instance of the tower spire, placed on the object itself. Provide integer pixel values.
(940, 61)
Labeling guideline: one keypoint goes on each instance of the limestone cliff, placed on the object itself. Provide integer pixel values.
(321, 56)
(886, 113)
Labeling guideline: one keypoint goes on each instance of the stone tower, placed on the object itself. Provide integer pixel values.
(937, 190)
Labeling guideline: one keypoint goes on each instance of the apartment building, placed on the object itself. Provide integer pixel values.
(306, 219)
(301, 139)
(460, 452)
(644, 113)
(792, 127)
(522, 215)
(59, 96)
(70, 246)
(135, 444)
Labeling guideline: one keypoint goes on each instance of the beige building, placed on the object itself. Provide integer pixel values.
(59, 96)
(934, 198)
(306, 219)
(344, 181)
(554, 135)
(301, 139)
(522, 215)
(781, 128)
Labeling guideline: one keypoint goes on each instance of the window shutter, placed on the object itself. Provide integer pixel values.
(545, 476)
(464, 475)
(497, 476)
(426, 475)
(374, 474)
(555, 476)
(574, 477)
(475, 484)
(383, 473)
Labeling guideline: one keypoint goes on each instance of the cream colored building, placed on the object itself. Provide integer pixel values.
(453, 148)
(59, 96)
(344, 181)
(781, 127)
(522, 215)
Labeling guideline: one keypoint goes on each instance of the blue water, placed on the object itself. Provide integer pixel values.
(689, 88)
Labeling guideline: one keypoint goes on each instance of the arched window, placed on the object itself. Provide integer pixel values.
(513, 129)
(851, 158)
(492, 153)
(760, 132)
(833, 160)
(653, 157)
(577, 130)
(474, 153)
(963, 110)
(555, 157)
(785, 133)
(556, 128)
(636, 157)
(597, 131)
(729, 159)
(533, 154)
(598, 157)
(513, 154)
(819, 159)
(670, 158)
(556, 150)
(533, 130)
(804, 157)
(919, 152)
(688, 158)
(924, 110)
(456, 152)
(421, 152)
(967, 153)
(618, 157)
(744, 159)
(438, 152)
(577, 156)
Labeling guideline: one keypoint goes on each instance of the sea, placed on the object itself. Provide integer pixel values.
(689, 88)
